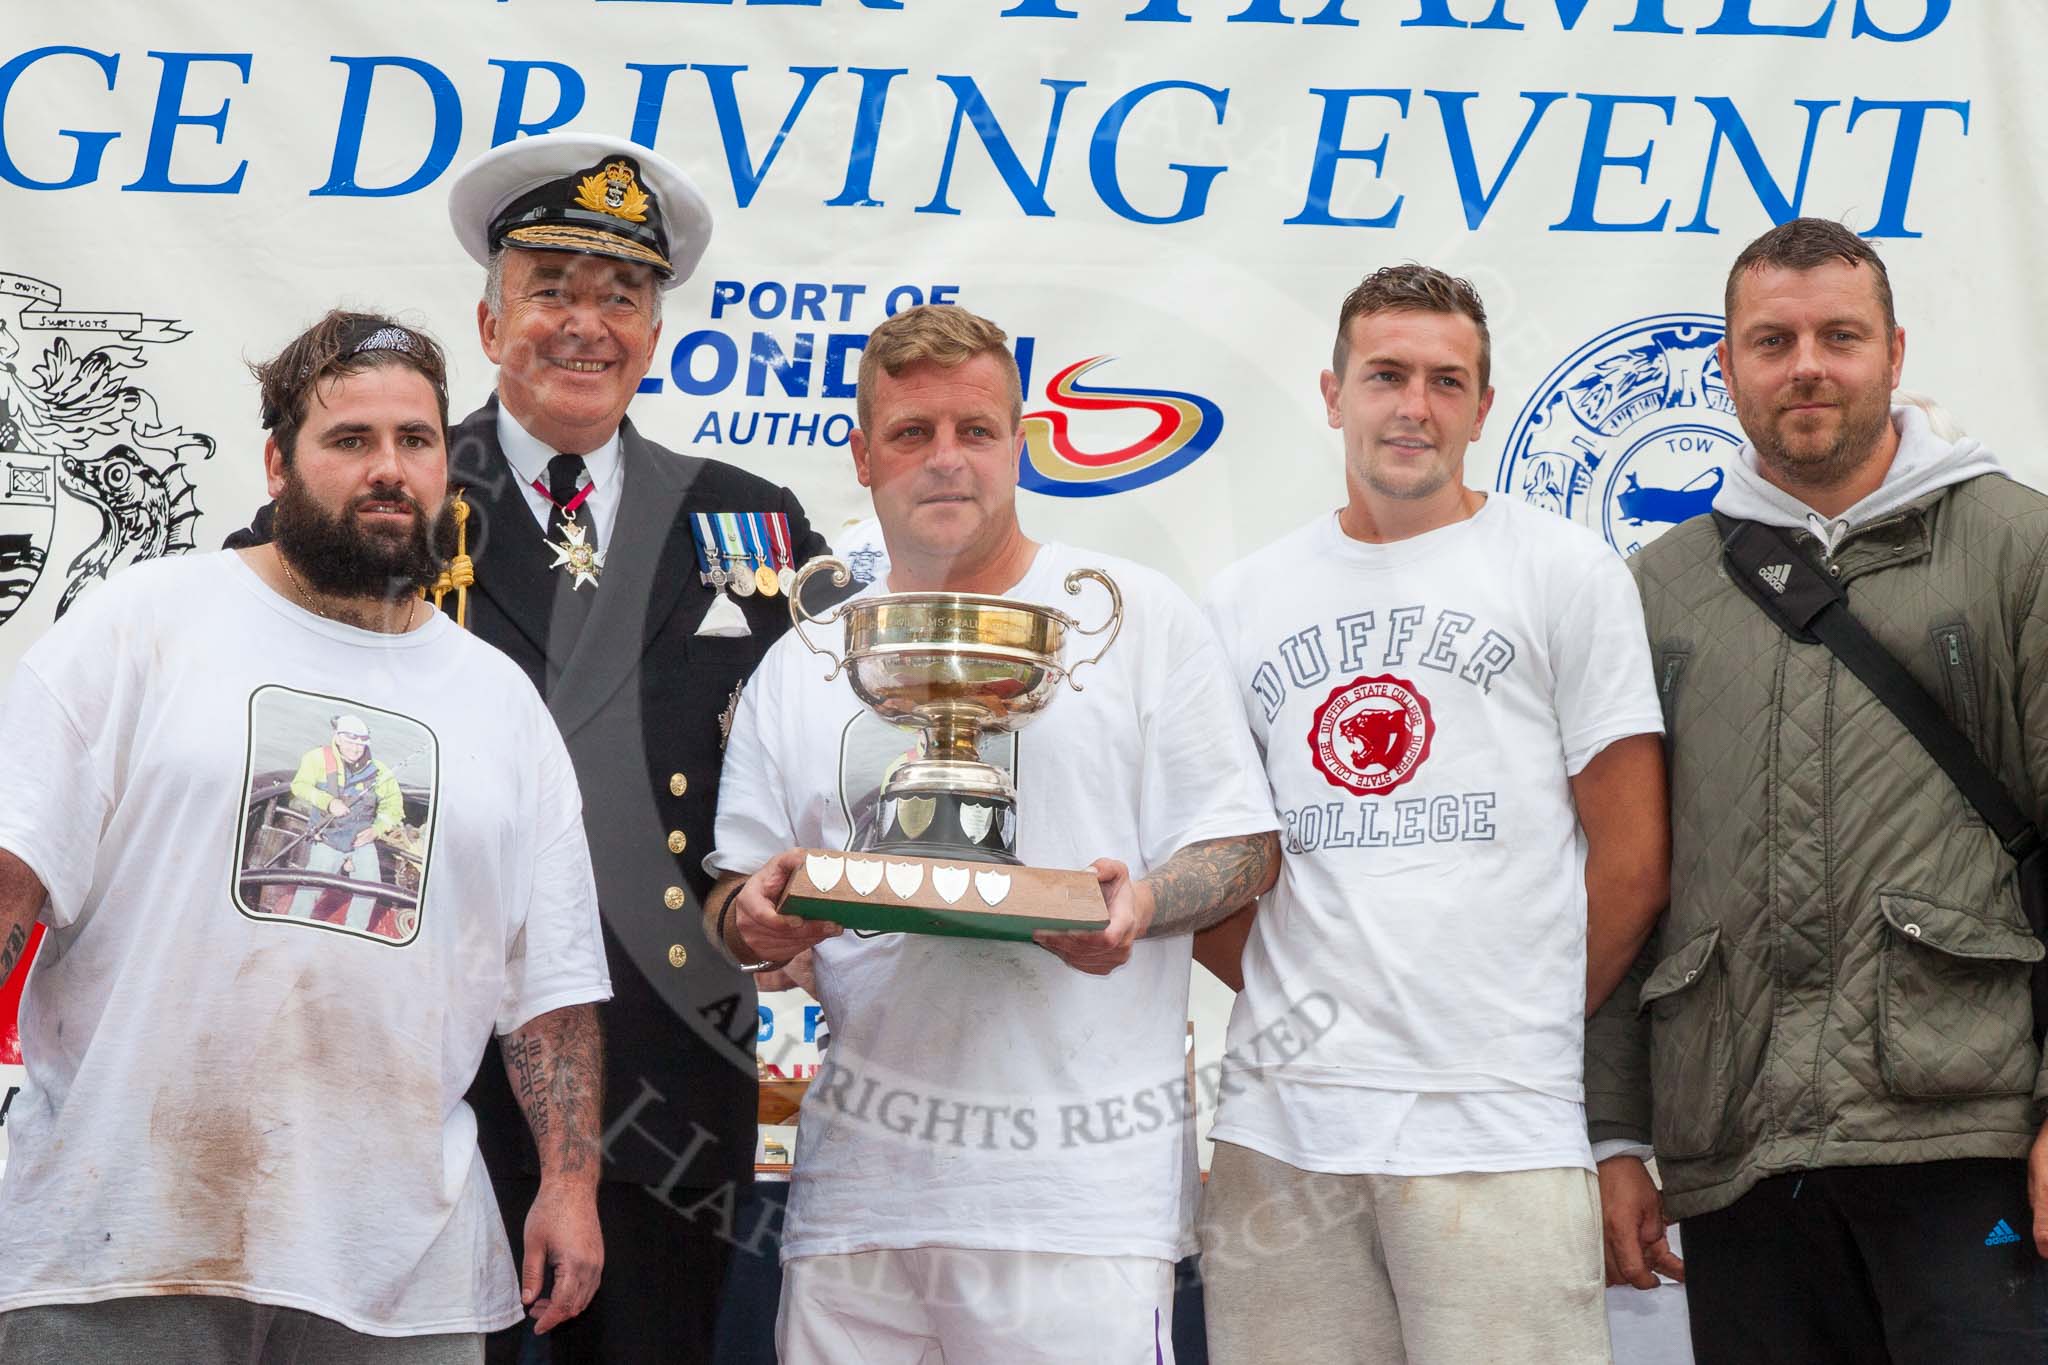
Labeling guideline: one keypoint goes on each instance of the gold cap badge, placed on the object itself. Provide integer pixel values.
(614, 190)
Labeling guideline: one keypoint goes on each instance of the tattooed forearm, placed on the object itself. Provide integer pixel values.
(522, 1066)
(10, 951)
(21, 897)
(1205, 883)
(556, 1065)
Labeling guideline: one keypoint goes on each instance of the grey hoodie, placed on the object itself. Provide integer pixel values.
(1924, 463)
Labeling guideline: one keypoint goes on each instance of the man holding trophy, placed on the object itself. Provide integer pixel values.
(996, 1163)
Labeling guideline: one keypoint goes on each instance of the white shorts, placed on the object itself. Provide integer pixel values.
(929, 1305)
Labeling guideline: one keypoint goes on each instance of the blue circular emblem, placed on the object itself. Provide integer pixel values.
(1632, 434)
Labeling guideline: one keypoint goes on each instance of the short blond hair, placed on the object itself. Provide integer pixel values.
(944, 334)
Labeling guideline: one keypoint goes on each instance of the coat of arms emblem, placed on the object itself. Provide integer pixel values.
(79, 432)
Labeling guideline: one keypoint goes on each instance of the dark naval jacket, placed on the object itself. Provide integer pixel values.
(643, 702)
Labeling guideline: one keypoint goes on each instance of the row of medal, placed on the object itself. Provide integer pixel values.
(745, 552)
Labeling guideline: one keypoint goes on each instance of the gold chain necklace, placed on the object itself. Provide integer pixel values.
(307, 598)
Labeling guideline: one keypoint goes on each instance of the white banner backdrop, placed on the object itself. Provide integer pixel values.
(1162, 200)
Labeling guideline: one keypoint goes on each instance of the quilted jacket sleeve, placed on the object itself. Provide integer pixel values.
(2031, 690)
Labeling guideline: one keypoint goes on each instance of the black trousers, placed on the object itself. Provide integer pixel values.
(1930, 1264)
(664, 1274)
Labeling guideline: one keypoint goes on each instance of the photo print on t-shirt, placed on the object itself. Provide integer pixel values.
(870, 749)
(337, 815)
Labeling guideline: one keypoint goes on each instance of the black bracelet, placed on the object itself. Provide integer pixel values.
(725, 908)
(725, 946)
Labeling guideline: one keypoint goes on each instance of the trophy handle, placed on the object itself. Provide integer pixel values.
(841, 576)
(1114, 625)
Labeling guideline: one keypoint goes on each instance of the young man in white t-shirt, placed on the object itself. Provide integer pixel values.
(997, 1162)
(1453, 696)
(243, 1136)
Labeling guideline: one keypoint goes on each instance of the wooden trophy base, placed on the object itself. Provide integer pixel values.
(947, 896)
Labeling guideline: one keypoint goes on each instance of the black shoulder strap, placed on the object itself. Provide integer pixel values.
(1767, 563)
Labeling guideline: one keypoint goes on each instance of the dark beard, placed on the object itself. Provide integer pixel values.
(339, 558)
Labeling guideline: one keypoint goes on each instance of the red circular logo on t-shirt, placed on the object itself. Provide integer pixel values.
(1371, 734)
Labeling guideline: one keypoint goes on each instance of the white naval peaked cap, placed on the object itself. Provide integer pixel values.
(582, 192)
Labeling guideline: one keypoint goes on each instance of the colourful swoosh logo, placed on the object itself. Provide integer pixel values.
(1185, 426)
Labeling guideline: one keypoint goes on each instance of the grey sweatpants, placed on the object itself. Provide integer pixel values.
(190, 1329)
(1317, 1269)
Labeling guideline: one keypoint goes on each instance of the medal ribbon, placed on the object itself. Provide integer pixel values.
(731, 542)
(702, 525)
(569, 507)
(778, 540)
(757, 541)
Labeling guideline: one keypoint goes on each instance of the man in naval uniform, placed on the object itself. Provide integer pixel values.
(582, 541)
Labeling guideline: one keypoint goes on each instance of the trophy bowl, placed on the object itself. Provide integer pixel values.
(953, 667)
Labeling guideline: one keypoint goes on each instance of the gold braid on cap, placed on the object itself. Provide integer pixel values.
(568, 237)
(461, 570)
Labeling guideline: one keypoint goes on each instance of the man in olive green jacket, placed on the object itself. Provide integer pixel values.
(1829, 1042)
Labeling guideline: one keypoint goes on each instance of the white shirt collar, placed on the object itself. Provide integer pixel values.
(529, 455)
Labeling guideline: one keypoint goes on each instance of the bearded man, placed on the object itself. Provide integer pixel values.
(243, 1136)
(637, 587)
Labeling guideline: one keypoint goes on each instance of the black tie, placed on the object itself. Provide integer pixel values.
(565, 472)
(572, 605)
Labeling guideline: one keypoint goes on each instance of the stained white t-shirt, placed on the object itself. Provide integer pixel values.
(984, 1094)
(245, 1084)
(1421, 706)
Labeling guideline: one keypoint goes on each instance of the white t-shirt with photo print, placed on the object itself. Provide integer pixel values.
(983, 1094)
(244, 1085)
(1421, 706)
